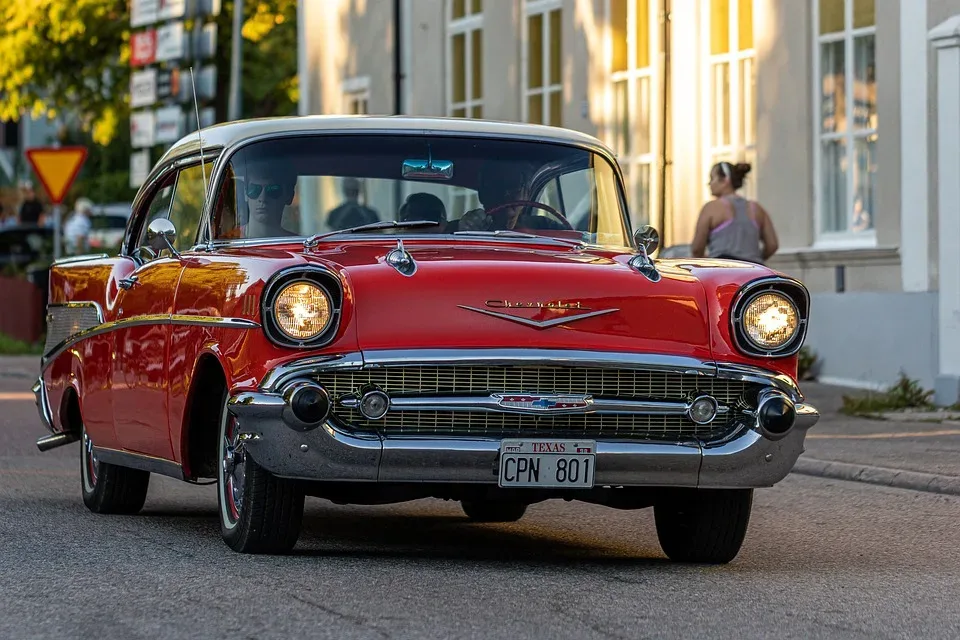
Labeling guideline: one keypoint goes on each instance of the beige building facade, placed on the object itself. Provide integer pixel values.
(833, 102)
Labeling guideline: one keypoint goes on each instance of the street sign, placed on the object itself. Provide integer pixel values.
(57, 168)
(143, 48)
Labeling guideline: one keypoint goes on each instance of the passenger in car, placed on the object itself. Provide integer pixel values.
(424, 206)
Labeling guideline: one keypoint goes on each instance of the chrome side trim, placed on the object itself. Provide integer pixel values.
(84, 258)
(492, 404)
(43, 404)
(139, 461)
(161, 319)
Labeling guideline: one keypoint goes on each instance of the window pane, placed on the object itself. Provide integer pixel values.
(833, 174)
(556, 108)
(187, 205)
(535, 109)
(459, 68)
(643, 34)
(476, 6)
(864, 14)
(556, 46)
(833, 115)
(477, 111)
(721, 104)
(476, 38)
(621, 118)
(719, 26)
(618, 33)
(748, 85)
(864, 183)
(642, 115)
(831, 16)
(535, 51)
(460, 113)
(745, 26)
(640, 195)
(458, 9)
(864, 83)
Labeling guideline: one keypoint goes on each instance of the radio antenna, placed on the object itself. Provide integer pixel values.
(203, 162)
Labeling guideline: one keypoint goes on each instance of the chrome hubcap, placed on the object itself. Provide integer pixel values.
(233, 467)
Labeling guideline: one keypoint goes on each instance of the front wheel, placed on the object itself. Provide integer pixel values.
(109, 488)
(259, 513)
(705, 526)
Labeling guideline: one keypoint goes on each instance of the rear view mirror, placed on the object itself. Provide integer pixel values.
(429, 169)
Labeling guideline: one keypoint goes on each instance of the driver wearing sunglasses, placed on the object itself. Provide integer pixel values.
(266, 195)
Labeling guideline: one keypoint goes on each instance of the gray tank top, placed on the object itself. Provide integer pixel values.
(737, 238)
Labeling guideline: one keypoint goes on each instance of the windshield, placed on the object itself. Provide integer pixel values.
(300, 186)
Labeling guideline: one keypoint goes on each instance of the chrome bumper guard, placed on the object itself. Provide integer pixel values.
(750, 458)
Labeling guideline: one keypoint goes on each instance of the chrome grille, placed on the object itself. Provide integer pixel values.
(621, 384)
(66, 321)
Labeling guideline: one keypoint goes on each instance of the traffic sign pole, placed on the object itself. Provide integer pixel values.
(57, 233)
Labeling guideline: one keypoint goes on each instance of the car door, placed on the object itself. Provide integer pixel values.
(144, 305)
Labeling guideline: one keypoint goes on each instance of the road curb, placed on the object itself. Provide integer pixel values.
(899, 478)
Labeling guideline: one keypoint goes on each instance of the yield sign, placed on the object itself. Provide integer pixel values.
(57, 167)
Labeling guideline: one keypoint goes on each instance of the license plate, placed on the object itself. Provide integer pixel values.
(547, 463)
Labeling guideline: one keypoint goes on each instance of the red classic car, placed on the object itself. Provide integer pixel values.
(374, 310)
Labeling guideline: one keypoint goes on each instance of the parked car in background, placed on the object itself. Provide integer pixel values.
(500, 355)
(24, 245)
(107, 225)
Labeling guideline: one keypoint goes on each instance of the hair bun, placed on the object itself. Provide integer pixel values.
(743, 168)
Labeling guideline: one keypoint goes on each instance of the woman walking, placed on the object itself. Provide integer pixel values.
(732, 226)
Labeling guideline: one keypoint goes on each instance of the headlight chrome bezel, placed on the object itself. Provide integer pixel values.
(792, 290)
(320, 277)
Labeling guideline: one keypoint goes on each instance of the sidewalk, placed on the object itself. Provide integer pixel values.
(911, 454)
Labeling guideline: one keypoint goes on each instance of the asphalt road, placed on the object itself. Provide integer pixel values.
(822, 559)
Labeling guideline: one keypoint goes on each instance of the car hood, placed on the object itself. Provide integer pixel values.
(510, 296)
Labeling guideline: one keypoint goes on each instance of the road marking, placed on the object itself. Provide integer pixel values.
(881, 436)
(13, 395)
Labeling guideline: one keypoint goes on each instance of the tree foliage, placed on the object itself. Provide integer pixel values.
(71, 58)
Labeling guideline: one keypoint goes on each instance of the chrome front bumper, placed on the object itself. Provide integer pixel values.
(746, 459)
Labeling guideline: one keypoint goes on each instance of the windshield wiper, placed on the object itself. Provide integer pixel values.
(510, 233)
(315, 239)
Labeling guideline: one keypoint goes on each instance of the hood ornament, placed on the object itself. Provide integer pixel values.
(401, 260)
(539, 324)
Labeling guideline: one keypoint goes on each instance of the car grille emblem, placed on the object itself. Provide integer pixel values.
(536, 403)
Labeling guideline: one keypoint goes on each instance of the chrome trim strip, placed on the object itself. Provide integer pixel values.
(84, 258)
(749, 373)
(492, 405)
(281, 374)
(43, 404)
(139, 461)
(161, 319)
(545, 324)
(557, 357)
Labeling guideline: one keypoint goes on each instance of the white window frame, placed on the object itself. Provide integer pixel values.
(465, 26)
(354, 89)
(736, 149)
(838, 239)
(632, 162)
(531, 8)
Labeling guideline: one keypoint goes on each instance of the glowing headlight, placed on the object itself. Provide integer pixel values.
(302, 310)
(770, 320)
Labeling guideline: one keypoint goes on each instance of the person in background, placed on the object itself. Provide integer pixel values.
(351, 213)
(731, 226)
(76, 231)
(31, 210)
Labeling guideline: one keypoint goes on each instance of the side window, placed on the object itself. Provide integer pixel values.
(187, 204)
(159, 207)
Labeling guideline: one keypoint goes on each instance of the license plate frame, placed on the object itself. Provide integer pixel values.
(539, 460)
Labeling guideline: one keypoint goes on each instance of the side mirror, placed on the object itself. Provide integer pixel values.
(161, 234)
(647, 238)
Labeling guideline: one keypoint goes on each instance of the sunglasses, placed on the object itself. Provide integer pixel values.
(274, 191)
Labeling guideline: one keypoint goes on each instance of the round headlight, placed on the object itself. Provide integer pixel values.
(302, 310)
(771, 320)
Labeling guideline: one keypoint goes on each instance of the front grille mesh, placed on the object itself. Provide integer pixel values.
(620, 384)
